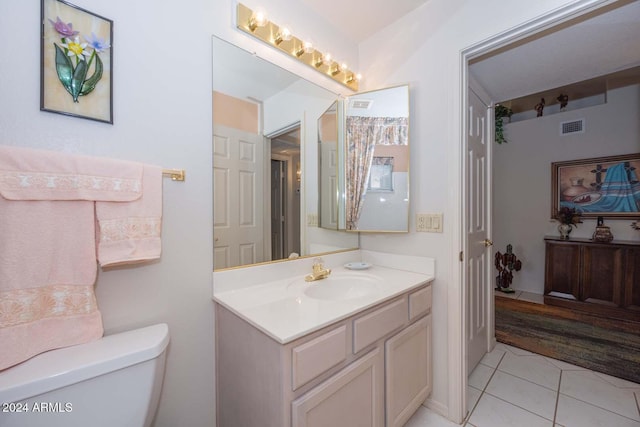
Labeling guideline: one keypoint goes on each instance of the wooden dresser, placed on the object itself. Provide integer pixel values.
(600, 278)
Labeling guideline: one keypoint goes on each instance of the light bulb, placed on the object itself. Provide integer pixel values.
(283, 35)
(258, 19)
(307, 46)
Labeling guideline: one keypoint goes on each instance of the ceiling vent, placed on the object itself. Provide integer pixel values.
(362, 104)
(574, 126)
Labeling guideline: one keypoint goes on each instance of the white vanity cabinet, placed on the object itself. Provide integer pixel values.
(370, 369)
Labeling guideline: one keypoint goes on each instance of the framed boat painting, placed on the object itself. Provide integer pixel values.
(76, 76)
(603, 186)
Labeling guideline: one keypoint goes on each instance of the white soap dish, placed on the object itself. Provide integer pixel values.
(357, 265)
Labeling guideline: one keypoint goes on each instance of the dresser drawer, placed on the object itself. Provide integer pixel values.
(315, 357)
(375, 325)
(419, 302)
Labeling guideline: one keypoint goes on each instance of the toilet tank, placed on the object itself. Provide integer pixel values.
(114, 381)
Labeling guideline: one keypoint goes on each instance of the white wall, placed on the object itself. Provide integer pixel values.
(522, 176)
(162, 115)
(386, 210)
(424, 50)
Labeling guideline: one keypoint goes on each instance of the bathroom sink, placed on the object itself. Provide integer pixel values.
(341, 286)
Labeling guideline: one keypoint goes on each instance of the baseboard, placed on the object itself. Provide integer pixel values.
(437, 407)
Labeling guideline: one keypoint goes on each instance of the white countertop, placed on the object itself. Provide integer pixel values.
(281, 309)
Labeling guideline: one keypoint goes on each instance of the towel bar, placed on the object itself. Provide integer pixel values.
(174, 174)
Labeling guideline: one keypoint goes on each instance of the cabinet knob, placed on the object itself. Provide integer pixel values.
(488, 243)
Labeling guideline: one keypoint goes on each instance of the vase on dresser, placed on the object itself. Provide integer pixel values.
(577, 188)
(565, 230)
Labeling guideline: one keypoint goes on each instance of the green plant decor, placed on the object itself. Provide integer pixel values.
(500, 112)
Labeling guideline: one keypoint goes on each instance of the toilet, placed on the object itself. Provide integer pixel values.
(114, 381)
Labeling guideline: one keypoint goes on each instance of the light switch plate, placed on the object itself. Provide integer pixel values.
(312, 220)
(429, 222)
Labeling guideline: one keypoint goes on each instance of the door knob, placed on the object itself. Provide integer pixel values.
(488, 243)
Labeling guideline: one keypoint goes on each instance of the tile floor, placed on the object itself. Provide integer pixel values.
(515, 388)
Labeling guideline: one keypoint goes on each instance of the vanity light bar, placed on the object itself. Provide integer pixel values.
(282, 39)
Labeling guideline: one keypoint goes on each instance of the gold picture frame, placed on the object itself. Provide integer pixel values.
(600, 186)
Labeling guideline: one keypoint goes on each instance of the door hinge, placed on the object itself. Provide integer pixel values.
(461, 256)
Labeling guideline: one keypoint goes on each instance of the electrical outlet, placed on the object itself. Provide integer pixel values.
(430, 223)
(423, 222)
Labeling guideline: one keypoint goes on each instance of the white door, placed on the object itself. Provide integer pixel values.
(329, 185)
(479, 324)
(238, 205)
(278, 208)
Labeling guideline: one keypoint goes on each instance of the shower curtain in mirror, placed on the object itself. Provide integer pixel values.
(363, 134)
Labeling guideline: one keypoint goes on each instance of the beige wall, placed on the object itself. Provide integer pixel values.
(329, 127)
(400, 154)
(235, 113)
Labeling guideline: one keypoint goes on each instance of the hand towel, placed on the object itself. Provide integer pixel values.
(130, 232)
(48, 264)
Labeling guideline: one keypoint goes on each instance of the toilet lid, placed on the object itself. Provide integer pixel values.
(62, 367)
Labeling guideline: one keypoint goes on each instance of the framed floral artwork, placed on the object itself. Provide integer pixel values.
(602, 186)
(76, 76)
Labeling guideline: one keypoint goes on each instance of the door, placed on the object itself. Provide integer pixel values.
(329, 185)
(479, 326)
(238, 169)
(278, 208)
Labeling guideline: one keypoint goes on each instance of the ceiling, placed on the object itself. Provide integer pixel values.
(359, 19)
(581, 58)
(586, 50)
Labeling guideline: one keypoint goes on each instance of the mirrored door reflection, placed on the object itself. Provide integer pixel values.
(285, 194)
(329, 166)
(377, 161)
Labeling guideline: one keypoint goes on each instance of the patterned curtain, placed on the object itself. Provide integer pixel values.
(363, 133)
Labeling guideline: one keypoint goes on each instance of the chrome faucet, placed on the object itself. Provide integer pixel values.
(318, 271)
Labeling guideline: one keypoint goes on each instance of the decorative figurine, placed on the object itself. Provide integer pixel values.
(602, 233)
(505, 264)
(563, 99)
(539, 107)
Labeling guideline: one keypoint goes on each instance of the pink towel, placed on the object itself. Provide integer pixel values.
(28, 174)
(48, 205)
(130, 232)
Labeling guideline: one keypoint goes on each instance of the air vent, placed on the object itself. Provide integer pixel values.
(574, 126)
(363, 104)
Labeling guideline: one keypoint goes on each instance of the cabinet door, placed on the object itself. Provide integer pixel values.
(602, 275)
(632, 280)
(408, 369)
(353, 397)
(562, 270)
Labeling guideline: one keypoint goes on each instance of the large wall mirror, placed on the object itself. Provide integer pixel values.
(265, 125)
(364, 162)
